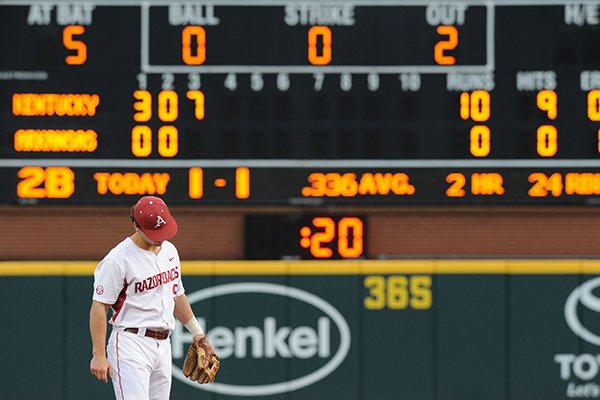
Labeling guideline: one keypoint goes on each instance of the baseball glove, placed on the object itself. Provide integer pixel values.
(201, 362)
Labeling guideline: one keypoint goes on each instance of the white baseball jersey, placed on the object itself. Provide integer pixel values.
(139, 285)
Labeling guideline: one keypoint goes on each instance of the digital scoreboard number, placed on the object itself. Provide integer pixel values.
(300, 103)
(304, 236)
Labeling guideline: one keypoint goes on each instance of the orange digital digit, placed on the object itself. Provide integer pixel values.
(480, 141)
(198, 97)
(190, 55)
(195, 182)
(449, 44)
(242, 183)
(593, 101)
(324, 57)
(143, 106)
(318, 185)
(555, 184)
(168, 141)
(539, 182)
(141, 141)
(349, 185)
(345, 248)
(547, 101)
(547, 141)
(30, 185)
(334, 187)
(319, 238)
(457, 183)
(80, 57)
(168, 103)
(465, 105)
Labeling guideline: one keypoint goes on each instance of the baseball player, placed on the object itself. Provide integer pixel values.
(140, 279)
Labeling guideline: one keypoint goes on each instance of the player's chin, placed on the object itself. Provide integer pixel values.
(154, 242)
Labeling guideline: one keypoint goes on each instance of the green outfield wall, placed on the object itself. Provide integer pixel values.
(299, 330)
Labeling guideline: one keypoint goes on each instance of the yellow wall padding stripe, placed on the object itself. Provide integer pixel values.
(343, 267)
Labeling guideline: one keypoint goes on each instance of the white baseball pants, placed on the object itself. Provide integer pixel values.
(141, 366)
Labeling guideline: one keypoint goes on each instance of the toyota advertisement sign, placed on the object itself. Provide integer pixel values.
(580, 369)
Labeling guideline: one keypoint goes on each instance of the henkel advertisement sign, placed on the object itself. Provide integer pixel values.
(318, 341)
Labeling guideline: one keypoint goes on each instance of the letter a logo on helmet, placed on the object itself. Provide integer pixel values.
(159, 222)
(154, 218)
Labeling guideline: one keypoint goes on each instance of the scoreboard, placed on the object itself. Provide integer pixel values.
(300, 102)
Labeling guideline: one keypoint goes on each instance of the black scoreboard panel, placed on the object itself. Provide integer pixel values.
(300, 102)
(306, 236)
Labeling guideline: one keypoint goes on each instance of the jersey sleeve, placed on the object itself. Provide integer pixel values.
(109, 280)
(180, 288)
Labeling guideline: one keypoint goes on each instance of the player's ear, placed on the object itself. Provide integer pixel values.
(136, 227)
(131, 215)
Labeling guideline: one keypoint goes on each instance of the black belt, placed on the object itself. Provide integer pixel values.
(160, 335)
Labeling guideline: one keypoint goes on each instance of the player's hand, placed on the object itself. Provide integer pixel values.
(198, 337)
(100, 368)
(202, 341)
(201, 363)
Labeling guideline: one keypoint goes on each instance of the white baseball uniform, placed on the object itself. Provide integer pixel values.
(141, 288)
